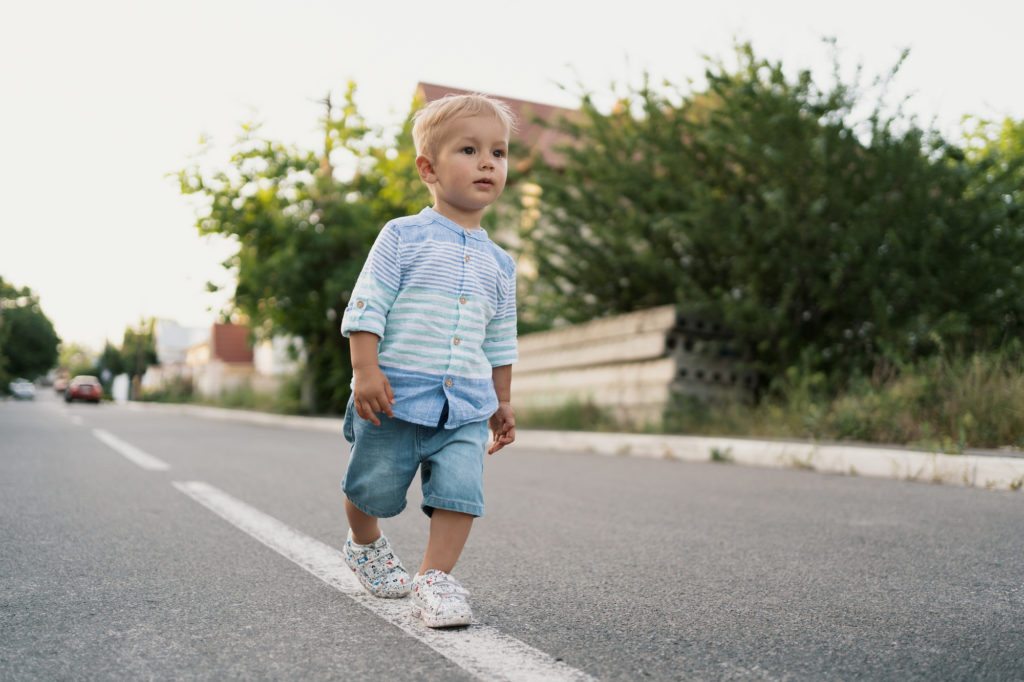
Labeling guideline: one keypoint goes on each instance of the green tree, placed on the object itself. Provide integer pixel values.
(137, 352)
(77, 359)
(822, 240)
(28, 342)
(110, 363)
(304, 222)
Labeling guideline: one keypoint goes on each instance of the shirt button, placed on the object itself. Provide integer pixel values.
(457, 341)
(467, 259)
(462, 300)
(448, 383)
(360, 304)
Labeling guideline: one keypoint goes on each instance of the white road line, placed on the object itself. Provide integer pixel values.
(130, 452)
(479, 649)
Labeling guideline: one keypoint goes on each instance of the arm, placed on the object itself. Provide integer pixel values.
(503, 421)
(371, 390)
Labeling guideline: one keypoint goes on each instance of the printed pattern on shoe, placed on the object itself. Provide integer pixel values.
(377, 568)
(439, 600)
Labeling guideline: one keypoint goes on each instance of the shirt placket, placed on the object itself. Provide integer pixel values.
(460, 305)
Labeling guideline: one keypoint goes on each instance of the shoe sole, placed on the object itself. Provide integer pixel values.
(435, 622)
(381, 594)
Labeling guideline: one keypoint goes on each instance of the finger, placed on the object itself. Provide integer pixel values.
(371, 413)
(388, 392)
(379, 404)
(501, 440)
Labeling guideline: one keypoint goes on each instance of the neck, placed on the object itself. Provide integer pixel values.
(469, 220)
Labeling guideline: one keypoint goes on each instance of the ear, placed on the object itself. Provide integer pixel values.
(426, 169)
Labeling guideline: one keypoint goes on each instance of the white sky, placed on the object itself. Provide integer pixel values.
(101, 99)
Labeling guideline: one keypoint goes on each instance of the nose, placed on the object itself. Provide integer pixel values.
(486, 161)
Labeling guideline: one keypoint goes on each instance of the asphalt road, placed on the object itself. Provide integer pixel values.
(615, 568)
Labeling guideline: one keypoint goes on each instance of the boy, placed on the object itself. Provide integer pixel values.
(432, 328)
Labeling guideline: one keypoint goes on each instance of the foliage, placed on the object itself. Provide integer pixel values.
(177, 389)
(948, 402)
(572, 416)
(28, 342)
(136, 353)
(109, 364)
(285, 400)
(77, 359)
(823, 242)
(304, 223)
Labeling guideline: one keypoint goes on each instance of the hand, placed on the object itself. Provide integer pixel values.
(503, 425)
(371, 393)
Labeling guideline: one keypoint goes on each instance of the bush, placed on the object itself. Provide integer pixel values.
(177, 390)
(947, 402)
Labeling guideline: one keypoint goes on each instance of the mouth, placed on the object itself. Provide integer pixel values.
(483, 182)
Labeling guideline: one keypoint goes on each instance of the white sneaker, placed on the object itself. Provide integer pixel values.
(377, 568)
(439, 600)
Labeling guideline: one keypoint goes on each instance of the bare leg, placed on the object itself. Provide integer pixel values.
(449, 531)
(364, 527)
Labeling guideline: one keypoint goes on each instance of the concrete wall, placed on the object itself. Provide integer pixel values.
(631, 365)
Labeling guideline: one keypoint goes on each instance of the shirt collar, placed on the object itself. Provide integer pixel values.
(479, 235)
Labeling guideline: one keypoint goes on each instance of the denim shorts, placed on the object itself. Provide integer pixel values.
(384, 459)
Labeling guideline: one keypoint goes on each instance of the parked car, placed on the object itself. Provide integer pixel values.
(60, 384)
(22, 389)
(84, 387)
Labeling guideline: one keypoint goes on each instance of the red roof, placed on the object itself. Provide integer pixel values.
(230, 343)
(535, 136)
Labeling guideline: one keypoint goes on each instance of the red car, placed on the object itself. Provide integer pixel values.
(84, 387)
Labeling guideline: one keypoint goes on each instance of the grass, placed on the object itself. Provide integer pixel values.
(284, 401)
(572, 416)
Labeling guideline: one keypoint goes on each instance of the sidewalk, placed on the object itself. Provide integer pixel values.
(992, 471)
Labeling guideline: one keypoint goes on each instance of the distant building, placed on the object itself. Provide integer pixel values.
(223, 362)
(172, 342)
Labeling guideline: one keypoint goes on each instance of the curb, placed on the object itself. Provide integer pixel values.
(982, 471)
(991, 472)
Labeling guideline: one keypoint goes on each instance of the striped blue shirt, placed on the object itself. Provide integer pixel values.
(443, 300)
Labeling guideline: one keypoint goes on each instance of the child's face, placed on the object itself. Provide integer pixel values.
(469, 168)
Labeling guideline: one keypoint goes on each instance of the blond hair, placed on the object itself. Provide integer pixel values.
(430, 121)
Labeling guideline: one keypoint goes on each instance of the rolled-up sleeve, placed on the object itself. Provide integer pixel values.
(500, 345)
(376, 287)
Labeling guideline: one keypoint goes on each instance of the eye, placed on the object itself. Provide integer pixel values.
(499, 153)
(468, 150)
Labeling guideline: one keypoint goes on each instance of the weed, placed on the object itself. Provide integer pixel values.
(719, 455)
(942, 403)
(804, 464)
(571, 416)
